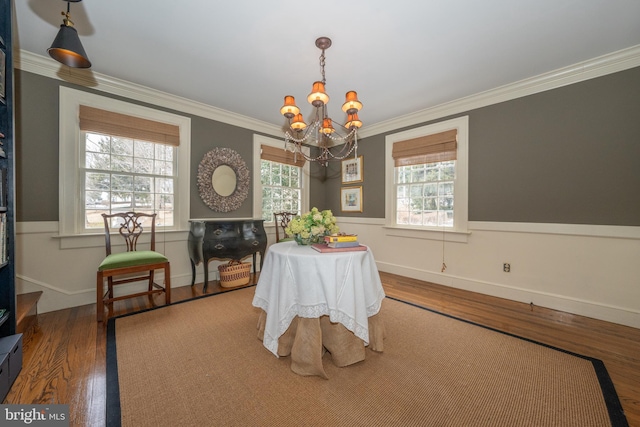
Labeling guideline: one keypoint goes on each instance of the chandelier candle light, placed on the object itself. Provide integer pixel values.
(321, 131)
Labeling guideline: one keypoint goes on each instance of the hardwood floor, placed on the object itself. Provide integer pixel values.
(64, 356)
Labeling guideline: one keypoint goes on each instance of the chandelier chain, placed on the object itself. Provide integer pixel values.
(322, 63)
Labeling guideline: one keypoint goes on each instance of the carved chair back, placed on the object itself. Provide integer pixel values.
(282, 219)
(130, 228)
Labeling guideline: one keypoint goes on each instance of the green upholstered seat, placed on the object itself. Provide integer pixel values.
(130, 259)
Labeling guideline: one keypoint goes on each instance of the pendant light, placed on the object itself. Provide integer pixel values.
(66, 47)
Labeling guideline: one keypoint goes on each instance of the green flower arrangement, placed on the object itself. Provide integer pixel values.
(312, 226)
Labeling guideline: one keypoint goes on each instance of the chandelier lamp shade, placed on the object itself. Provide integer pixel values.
(332, 141)
(66, 47)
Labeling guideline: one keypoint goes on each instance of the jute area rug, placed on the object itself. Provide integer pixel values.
(199, 363)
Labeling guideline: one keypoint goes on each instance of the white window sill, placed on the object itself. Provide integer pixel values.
(428, 234)
(76, 241)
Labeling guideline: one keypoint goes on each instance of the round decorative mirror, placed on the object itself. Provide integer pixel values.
(223, 180)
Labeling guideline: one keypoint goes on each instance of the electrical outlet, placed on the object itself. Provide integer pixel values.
(506, 267)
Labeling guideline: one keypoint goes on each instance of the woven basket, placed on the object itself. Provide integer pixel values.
(235, 273)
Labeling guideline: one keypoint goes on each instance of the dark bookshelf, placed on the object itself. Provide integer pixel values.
(7, 174)
(10, 342)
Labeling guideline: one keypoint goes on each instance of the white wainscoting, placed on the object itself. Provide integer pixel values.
(565, 268)
(64, 268)
(590, 271)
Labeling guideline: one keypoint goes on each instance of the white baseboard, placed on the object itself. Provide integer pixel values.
(55, 298)
(585, 308)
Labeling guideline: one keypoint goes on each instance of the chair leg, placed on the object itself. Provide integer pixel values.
(110, 295)
(167, 283)
(99, 293)
(193, 273)
(151, 280)
(150, 287)
(110, 286)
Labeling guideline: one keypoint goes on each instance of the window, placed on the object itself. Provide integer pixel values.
(425, 194)
(427, 177)
(281, 188)
(116, 156)
(124, 174)
(282, 180)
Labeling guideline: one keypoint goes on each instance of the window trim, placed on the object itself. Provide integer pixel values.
(461, 182)
(70, 190)
(259, 140)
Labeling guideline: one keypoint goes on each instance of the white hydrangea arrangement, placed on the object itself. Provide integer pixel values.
(312, 226)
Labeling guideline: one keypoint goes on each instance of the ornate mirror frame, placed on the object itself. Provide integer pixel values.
(208, 164)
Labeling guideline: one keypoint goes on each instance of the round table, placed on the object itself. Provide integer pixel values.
(298, 282)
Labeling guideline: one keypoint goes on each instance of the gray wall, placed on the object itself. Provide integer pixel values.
(372, 151)
(37, 158)
(569, 155)
(208, 134)
(37, 130)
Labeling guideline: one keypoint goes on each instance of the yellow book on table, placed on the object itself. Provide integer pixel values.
(341, 238)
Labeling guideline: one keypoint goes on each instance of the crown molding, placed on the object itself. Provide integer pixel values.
(38, 64)
(610, 63)
(596, 67)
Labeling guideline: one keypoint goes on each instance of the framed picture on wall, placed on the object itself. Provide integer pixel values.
(352, 170)
(351, 199)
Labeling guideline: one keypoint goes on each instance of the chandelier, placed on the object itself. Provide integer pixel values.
(320, 132)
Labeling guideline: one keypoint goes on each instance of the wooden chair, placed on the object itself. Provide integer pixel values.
(132, 262)
(282, 220)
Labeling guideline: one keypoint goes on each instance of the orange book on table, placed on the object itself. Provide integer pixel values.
(326, 249)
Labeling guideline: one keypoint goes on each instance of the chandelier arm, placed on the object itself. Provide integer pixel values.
(325, 152)
(310, 158)
(310, 130)
(306, 134)
(351, 133)
(341, 155)
(349, 130)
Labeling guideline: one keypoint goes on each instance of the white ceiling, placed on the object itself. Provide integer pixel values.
(400, 56)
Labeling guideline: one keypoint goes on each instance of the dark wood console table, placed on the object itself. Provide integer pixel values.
(225, 239)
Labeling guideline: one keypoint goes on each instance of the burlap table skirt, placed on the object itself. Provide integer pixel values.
(306, 341)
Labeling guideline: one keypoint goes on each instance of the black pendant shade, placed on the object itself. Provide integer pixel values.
(66, 47)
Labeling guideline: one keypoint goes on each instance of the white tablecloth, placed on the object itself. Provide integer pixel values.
(299, 281)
